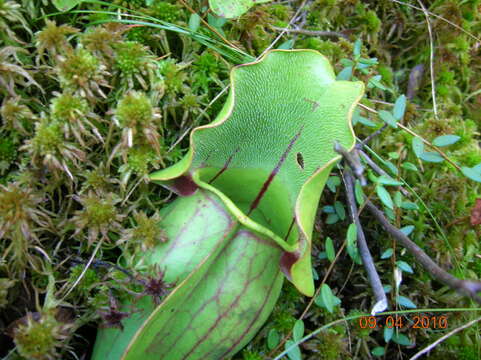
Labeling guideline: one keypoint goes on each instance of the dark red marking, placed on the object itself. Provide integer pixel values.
(314, 103)
(184, 186)
(226, 165)
(287, 260)
(290, 228)
(274, 172)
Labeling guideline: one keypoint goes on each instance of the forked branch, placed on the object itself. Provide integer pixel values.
(471, 288)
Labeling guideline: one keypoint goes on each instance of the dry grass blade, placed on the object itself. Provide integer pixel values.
(431, 60)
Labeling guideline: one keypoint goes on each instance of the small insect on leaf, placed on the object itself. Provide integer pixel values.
(300, 160)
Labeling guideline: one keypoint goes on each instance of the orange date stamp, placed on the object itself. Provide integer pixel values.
(398, 322)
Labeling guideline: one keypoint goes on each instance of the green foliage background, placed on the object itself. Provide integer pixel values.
(89, 109)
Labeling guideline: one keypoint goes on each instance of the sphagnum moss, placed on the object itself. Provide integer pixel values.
(40, 335)
(138, 120)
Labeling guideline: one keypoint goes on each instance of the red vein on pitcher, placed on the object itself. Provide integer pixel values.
(274, 172)
(224, 168)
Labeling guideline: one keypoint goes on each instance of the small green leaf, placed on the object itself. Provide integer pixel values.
(405, 302)
(418, 146)
(330, 251)
(390, 214)
(332, 219)
(298, 330)
(392, 168)
(357, 48)
(216, 21)
(388, 333)
(358, 192)
(328, 297)
(384, 196)
(393, 155)
(446, 140)
(407, 205)
(345, 74)
(366, 122)
(386, 180)
(319, 302)
(295, 352)
(346, 62)
(401, 339)
(388, 118)
(404, 266)
(322, 255)
(273, 339)
(471, 173)
(66, 5)
(333, 182)
(352, 249)
(399, 107)
(232, 8)
(371, 61)
(398, 199)
(409, 166)
(340, 210)
(407, 230)
(430, 156)
(194, 22)
(375, 81)
(286, 45)
(378, 351)
(387, 254)
(328, 209)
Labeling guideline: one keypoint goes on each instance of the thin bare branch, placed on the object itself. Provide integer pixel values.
(381, 302)
(470, 288)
